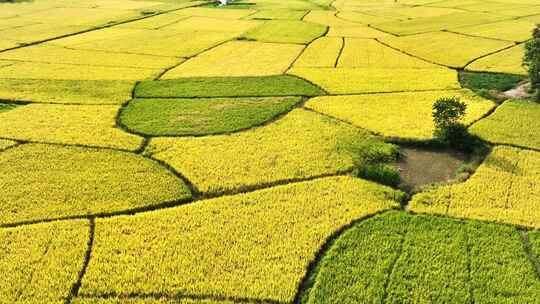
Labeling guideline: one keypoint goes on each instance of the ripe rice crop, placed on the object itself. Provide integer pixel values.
(362, 18)
(322, 52)
(403, 115)
(507, 61)
(362, 53)
(67, 124)
(55, 54)
(4, 144)
(62, 182)
(300, 145)
(215, 13)
(409, 13)
(378, 80)
(40, 263)
(513, 30)
(236, 58)
(56, 71)
(148, 300)
(356, 31)
(514, 123)
(198, 25)
(148, 42)
(284, 31)
(397, 257)
(504, 189)
(446, 48)
(262, 254)
(278, 14)
(327, 18)
(437, 23)
(66, 91)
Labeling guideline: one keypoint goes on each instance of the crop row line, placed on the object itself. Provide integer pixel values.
(74, 291)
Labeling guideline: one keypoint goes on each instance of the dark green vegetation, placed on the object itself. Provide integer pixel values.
(531, 60)
(489, 85)
(419, 167)
(371, 160)
(7, 106)
(202, 116)
(400, 258)
(283, 85)
(448, 112)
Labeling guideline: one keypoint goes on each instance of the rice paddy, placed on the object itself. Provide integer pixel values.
(178, 151)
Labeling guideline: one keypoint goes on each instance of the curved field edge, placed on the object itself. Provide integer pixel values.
(101, 182)
(177, 117)
(245, 258)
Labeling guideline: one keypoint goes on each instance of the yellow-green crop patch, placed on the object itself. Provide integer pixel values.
(155, 22)
(149, 42)
(278, 85)
(60, 182)
(4, 144)
(261, 255)
(215, 13)
(238, 58)
(143, 300)
(402, 115)
(206, 24)
(505, 188)
(437, 23)
(279, 14)
(362, 53)
(396, 257)
(507, 61)
(56, 71)
(356, 32)
(409, 13)
(189, 116)
(54, 54)
(513, 123)
(378, 80)
(447, 48)
(67, 124)
(66, 91)
(41, 263)
(328, 18)
(359, 17)
(322, 52)
(286, 31)
(513, 30)
(300, 145)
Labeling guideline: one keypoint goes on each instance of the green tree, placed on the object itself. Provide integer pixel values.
(531, 61)
(447, 115)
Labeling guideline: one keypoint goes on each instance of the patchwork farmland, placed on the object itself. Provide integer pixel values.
(267, 151)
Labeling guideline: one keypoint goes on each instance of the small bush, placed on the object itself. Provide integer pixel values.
(381, 173)
(531, 61)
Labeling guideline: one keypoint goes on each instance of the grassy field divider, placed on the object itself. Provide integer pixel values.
(87, 255)
(528, 248)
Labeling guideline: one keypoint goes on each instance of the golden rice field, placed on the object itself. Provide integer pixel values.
(178, 151)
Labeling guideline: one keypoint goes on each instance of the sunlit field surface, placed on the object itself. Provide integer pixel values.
(178, 151)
